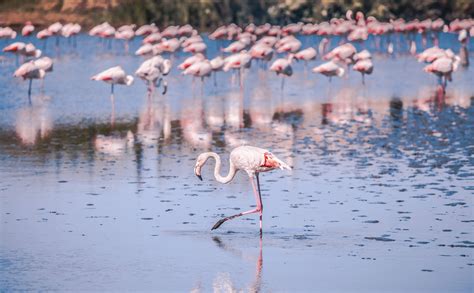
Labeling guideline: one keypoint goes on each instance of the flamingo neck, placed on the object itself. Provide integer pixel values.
(217, 169)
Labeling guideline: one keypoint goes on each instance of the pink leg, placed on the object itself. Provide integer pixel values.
(259, 209)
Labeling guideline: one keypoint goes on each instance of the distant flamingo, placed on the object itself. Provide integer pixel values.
(252, 160)
(199, 69)
(443, 68)
(114, 75)
(7, 33)
(364, 66)
(27, 29)
(191, 60)
(283, 66)
(29, 71)
(153, 70)
(306, 55)
(329, 69)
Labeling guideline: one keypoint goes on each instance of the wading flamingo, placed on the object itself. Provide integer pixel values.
(252, 160)
(114, 75)
(29, 70)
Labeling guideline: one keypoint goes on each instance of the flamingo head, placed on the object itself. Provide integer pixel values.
(200, 161)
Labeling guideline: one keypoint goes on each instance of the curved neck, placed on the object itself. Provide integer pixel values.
(217, 169)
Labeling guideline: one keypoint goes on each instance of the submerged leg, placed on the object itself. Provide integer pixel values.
(29, 90)
(259, 208)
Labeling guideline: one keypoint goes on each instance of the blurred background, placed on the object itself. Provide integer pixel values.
(207, 14)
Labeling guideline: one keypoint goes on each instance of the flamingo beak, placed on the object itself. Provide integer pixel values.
(197, 172)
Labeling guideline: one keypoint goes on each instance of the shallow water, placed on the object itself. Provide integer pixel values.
(380, 197)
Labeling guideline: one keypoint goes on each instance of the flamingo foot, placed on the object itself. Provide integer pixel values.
(219, 223)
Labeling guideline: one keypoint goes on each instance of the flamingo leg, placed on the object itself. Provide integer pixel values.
(165, 87)
(258, 209)
(29, 88)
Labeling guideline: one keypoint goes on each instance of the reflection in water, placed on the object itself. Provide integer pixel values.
(34, 121)
(114, 144)
(202, 126)
(223, 281)
(154, 121)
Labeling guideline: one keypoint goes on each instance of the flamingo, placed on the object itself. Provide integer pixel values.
(114, 75)
(250, 159)
(329, 69)
(217, 64)
(364, 66)
(238, 61)
(7, 32)
(152, 71)
(200, 69)
(29, 71)
(235, 47)
(306, 55)
(343, 52)
(20, 48)
(283, 66)
(146, 30)
(44, 34)
(191, 60)
(152, 38)
(193, 39)
(126, 33)
(27, 29)
(262, 51)
(444, 67)
(196, 47)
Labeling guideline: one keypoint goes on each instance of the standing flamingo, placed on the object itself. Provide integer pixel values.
(283, 66)
(30, 70)
(252, 160)
(114, 75)
(153, 70)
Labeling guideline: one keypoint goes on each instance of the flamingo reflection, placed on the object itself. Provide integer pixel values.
(34, 122)
(223, 282)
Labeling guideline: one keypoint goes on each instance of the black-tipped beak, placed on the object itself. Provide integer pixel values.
(199, 176)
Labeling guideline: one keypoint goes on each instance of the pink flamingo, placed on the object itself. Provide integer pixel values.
(329, 69)
(191, 60)
(252, 160)
(31, 70)
(197, 47)
(364, 66)
(443, 68)
(7, 33)
(114, 75)
(283, 66)
(153, 70)
(146, 30)
(28, 29)
(306, 55)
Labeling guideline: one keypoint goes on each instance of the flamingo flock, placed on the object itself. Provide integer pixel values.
(263, 42)
(272, 48)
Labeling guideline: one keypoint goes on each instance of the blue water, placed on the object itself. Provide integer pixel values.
(380, 197)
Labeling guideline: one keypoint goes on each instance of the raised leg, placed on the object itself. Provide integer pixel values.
(259, 208)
